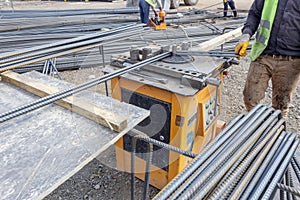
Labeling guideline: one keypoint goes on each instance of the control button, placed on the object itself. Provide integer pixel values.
(162, 138)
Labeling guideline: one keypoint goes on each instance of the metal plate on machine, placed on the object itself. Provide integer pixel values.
(156, 126)
(185, 79)
(178, 59)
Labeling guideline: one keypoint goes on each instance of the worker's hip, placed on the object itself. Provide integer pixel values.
(284, 72)
(280, 57)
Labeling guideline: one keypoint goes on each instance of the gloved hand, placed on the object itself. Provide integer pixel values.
(242, 45)
(224, 1)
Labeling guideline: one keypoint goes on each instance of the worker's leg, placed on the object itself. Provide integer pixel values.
(285, 78)
(144, 11)
(232, 6)
(225, 9)
(257, 82)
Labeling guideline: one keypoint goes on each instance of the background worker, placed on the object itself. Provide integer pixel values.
(145, 5)
(275, 53)
(232, 7)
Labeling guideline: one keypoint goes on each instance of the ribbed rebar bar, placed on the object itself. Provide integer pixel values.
(221, 184)
(94, 43)
(282, 152)
(147, 172)
(203, 156)
(65, 42)
(289, 151)
(256, 163)
(132, 161)
(229, 157)
(296, 170)
(224, 152)
(287, 181)
(296, 162)
(60, 95)
(245, 193)
(288, 189)
(238, 172)
(162, 145)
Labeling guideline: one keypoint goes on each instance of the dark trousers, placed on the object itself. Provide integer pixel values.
(232, 6)
(144, 11)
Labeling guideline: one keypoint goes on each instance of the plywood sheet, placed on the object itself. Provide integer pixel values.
(43, 148)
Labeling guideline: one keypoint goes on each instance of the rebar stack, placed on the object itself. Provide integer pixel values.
(31, 55)
(245, 161)
(31, 28)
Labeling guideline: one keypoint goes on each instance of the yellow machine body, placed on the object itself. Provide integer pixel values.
(158, 24)
(183, 106)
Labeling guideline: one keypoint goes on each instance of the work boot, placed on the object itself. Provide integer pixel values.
(234, 13)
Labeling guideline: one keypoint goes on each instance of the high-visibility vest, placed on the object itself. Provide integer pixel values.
(265, 27)
(152, 3)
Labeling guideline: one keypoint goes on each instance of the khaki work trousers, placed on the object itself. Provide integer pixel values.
(284, 72)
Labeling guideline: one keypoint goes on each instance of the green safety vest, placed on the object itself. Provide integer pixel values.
(152, 3)
(265, 27)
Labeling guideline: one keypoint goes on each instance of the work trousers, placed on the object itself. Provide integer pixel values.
(231, 5)
(284, 72)
(144, 11)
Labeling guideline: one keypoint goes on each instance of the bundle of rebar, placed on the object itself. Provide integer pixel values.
(246, 160)
(28, 56)
(21, 30)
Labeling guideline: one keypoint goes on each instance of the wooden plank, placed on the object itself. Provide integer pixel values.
(76, 104)
(217, 41)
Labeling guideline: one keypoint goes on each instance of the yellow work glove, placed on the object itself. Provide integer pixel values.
(242, 45)
(224, 1)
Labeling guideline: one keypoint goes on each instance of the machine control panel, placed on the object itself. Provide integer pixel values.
(210, 110)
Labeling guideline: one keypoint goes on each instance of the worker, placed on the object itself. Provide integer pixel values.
(275, 53)
(232, 7)
(145, 5)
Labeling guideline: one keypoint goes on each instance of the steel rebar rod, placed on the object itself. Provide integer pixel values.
(256, 164)
(66, 52)
(281, 152)
(66, 49)
(57, 96)
(230, 156)
(289, 152)
(288, 189)
(162, 145)
(239, 171)
(296, 162)
(147, 172)
(203, 156)
(255, 179)
(226, 151)
(132, 167)
(65, 42)
(296, 170)
(287, 178)
(221, 184)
